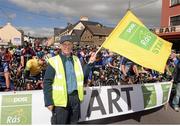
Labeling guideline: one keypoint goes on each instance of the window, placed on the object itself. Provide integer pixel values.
(175, 20)
(175, 2)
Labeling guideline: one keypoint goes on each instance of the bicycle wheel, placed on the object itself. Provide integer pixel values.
(110, 82)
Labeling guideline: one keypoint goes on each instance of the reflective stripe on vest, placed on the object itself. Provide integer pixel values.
(79, 77)
(59, 92)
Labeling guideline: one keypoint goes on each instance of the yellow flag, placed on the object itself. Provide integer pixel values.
(133, 40)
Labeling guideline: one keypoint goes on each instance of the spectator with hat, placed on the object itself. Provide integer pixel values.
(63, 83)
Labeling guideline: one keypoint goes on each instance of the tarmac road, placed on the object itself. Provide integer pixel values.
(160, 115)
(156, 116)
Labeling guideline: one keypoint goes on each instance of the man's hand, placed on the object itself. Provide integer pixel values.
(92, 58)
(50, 107)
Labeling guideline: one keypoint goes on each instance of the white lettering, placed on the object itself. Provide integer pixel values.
(13, 119)
(21, 99)
(146, 40)
(131, 27)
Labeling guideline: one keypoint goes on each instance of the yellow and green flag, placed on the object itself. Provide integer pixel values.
(133, 40)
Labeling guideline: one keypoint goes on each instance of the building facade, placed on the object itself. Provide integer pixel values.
(86, 32)
(170, 22)
(10, 35)
(170, 14)
(95, 35)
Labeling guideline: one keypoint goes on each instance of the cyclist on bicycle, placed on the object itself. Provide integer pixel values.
(26, 54)
(5, 75)
(17, 55)
(129, 71)
(33, 72)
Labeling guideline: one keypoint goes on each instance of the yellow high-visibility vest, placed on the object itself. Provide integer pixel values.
(59, 87)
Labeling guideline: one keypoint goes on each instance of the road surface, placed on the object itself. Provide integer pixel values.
(158, 115)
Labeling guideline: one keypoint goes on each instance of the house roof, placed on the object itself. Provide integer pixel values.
(78, 33)
(20, 30)
(97, 30)
(57, 31)
(69, 27)
(85, 23)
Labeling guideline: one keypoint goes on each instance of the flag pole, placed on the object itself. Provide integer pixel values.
(98, 49)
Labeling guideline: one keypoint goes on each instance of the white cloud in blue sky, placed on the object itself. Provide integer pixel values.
(43, 31)
(47, 14)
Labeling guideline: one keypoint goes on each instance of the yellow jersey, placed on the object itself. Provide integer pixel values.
(34, 66)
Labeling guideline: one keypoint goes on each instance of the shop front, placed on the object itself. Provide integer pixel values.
(171, 34)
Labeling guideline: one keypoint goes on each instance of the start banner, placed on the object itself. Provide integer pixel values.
(27, 107)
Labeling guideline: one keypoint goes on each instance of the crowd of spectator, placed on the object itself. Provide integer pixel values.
(22, 67)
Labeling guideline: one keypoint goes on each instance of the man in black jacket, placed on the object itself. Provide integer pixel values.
(175, 101)
(63, 84)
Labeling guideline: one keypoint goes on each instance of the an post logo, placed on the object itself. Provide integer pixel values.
(16, 109)
(141, 37)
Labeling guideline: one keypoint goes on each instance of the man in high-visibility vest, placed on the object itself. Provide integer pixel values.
(63, 84)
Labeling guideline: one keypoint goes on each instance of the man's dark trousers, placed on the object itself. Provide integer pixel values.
(69, 114)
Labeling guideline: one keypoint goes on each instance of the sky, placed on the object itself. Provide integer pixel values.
(39, 17)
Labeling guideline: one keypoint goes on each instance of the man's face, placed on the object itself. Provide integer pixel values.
(66, 48)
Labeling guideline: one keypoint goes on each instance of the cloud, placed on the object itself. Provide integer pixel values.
(110, 11)
(12, 15)
(38, 32)
(8, 15)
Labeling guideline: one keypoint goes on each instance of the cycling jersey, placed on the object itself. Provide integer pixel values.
(28, 53)
(34, 67)
(17, 55)
(3, 68)
(7, 56)
(129, 66)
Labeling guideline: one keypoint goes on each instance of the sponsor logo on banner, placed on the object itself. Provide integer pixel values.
(165, 88)
(16, 109)
(149, 94)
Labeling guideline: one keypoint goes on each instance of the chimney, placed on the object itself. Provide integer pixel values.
(83, 18)
(8, 23)
(69, 24)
